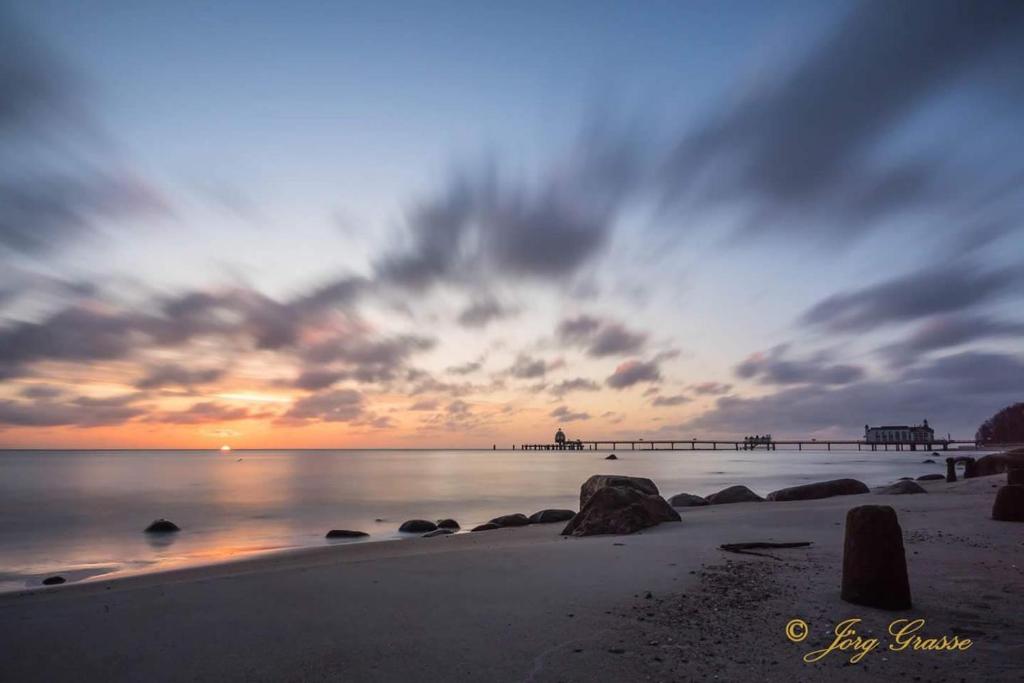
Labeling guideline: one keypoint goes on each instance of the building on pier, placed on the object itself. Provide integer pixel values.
(916, 434)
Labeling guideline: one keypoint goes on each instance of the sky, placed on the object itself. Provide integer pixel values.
(416, 225)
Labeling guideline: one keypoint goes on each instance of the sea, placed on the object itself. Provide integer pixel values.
(81, 514)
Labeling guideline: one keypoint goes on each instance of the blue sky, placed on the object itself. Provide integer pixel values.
(710, 218)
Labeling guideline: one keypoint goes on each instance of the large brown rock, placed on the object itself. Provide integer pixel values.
(903, 486)
(821, 489)
(620, 510)
(162, 526)
(1009, 505)
(874, 562)
(686, 500)
(417, 526)
(518, 519)
(346, 533)
(599, 481)
(1015, 475)
(997, 463)
(734, 494)
(549, 516)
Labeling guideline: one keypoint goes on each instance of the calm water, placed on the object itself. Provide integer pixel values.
(82, 513)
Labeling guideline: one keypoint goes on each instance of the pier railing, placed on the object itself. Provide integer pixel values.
(745, 445)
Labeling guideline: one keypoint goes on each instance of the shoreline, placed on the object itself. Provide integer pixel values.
(522, 603)
(209, 538)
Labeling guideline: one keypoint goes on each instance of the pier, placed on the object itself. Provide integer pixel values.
(746, 444)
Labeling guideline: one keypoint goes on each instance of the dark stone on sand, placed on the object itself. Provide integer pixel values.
(612, 457)
(447, 524)
(485, 527)
(439, 532)
(734, 494)
(549, 516)
(1009, 505)
(417, 526)
(821, 489)
(928, 461)
(902, 486)
(599, 481)
(1015, 475)
(620, 510)
(874, 562)
(517, 519)
(345, 533)
(686, 500)
(53, 580)
(997, 463)
(162, 526)
(905, 479)
(931, 477)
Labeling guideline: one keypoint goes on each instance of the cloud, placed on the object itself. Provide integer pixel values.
(676, 400)
(905, 298)
(458, 407)
(600, 337)
(205, 412)
(526, 367)
(340, 405)
(481, 312)
(316, 379)
(563, 414)
(58, 178)
(576, 384)
(483, 224)
(42, 391)
(369, 360)
(955, 393)
(634, 372)
(172, 374)
(424, 404)
(711, 388)
(804, 151)
(946, 332)
(774, 368)
(76, 413)
(467, 368)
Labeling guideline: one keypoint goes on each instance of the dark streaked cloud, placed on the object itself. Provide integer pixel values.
(173, 374)
(774, 368)
(675, 400)
(801, 152)
(600, 337)
(315, 379)
(58, 175)
(81, 412)
(922, 293)
(467, 368)
(483, 225)
(634, 372)
(711, 388)
(947, 332)
(527, 367)
(483, 311)
(339, 405)
(205, 412)
(564, 414)
(576, 384)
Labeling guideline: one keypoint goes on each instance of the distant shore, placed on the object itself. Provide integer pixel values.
(527, 604)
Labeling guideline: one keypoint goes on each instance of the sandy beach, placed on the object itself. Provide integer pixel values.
(527, 604)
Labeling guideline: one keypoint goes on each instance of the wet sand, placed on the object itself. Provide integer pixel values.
(526, 604)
